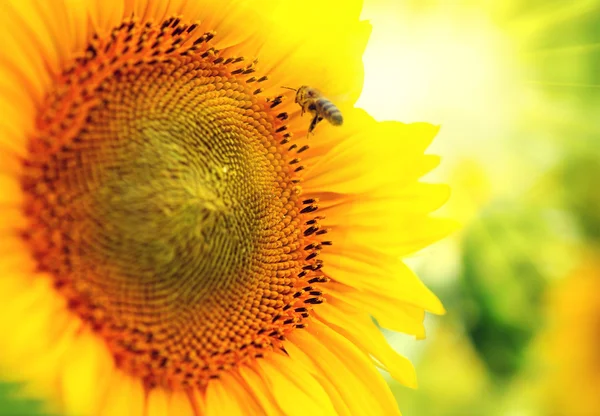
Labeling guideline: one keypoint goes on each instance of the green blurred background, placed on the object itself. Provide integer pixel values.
(515, 85)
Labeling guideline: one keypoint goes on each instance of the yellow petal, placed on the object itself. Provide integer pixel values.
(162, 402)
(56, 18)
(87, 370)
(157, 402)
(43, 319)
(336, 398)
(348, 369)
(298, 355)
(397, 236)
(17, 110)
(10, 165)
(261, 390)
(125, 396)
(388, 311)
(180, 404)
(12, 220)
(224, 18)
(395, 149)
(377, 274)
(29, 34)
(296, 391)
(323, 41)
(357, 326)
(10, 191)
(76, 27)
(20, 260)
(393, 201)
(197, 401)
(103, 18)
(228, 396)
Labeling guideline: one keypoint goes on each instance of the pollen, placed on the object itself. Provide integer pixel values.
(164, 193)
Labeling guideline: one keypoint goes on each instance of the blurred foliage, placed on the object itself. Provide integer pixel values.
(580, 195)
(12, 404)
(502, 285)
(452, 379)
(530, 202)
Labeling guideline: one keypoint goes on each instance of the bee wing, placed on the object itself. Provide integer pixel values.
(339, 99)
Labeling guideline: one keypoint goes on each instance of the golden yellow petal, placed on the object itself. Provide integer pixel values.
(30, 34)
(103, 17)
(379, 274)
(414, 198)
(56, 16)
(15, 106)
(304, 360)
(125, 396)
(19, 263)
(261, 390)
(394, 236)
(157, 402)
(180, 404)
(347, 368)
(197, 401)
(347, 167)
(296, 390)
(43, 319)
(388, 311)
(10, 191)
(76, 29)
(301, 358)
(228, 396)
(225, 17)
(36, 300)
(88, 368)
(162, 402)
(320, 40)
(340, 405)
(12, 218)
(358, 327)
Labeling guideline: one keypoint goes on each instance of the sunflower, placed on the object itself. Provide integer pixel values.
(173, 242)
(570, 346)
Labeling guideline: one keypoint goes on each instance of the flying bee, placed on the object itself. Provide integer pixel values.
(312, 101)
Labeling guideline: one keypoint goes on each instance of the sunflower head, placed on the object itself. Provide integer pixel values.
(172, 235)
(568, 347)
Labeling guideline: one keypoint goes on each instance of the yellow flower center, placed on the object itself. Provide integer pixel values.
(164, 200)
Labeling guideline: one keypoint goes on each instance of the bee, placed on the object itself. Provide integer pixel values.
(312, 101)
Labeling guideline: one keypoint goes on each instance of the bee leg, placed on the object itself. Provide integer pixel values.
(314, 123)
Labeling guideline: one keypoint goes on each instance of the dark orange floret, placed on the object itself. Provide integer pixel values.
(164, 197)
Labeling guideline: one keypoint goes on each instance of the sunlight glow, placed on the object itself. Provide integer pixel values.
(450, 66)
(430, 66)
